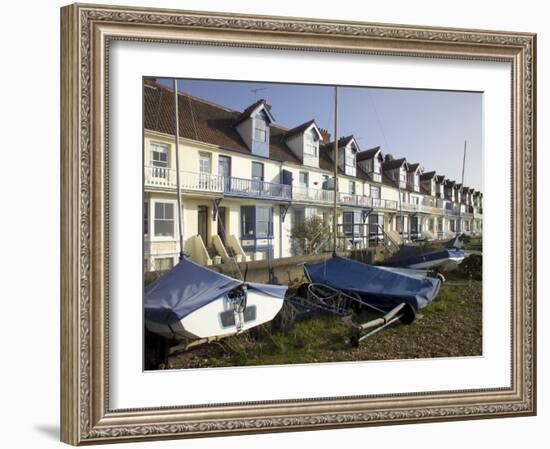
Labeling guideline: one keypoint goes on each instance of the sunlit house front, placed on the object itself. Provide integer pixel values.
(246, 181)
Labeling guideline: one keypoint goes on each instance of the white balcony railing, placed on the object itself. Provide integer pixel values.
(189, 181)
(206, 182)
(303, 193)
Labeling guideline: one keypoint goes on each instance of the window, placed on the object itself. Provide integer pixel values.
(145, 218)
(264, 221)
(304, 179)
(299, 216)
(310, 144)
(350, 157)
(326, 183)
(163, 264)
(352, 187)
(257, 171)
(257, 221)
(159, 160)
(348, 223)
(247, 221)
(164, 219)
(377, 165)
(205, 163)
(375, 192)
(260, 130)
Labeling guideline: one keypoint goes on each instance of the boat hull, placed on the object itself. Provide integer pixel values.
(216, 319)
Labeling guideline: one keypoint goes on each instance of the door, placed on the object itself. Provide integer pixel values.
(224, 169)
(202, 224)
(257, 177)
(222, 229)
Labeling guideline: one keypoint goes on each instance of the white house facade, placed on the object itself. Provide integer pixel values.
(245, 182)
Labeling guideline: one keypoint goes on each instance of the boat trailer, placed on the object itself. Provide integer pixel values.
(317, 298)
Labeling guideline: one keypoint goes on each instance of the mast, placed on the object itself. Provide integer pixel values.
(462, 186)
(335, 206)
(177, 136)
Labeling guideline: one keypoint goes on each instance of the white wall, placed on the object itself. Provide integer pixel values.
(30, 374)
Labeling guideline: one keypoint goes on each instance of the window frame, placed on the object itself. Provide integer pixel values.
(257, 164)
(209, 157)
(312, 143)
(263, 128)
(153, 233)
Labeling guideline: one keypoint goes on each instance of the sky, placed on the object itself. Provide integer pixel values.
(425, 126)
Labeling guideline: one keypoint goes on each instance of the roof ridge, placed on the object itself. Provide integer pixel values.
(201, 100)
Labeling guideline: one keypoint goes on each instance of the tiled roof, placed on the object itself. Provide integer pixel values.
(412, 167)
(427, 175)
(326, 162)
(300, 128)
(246, 113)
(212, 123)
(393, 163)
(206, 122)
(367, 154)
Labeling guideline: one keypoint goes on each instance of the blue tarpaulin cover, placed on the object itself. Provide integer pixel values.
(189, 286)
(412, 255)
(382, 286)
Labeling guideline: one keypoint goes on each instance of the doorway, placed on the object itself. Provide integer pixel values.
(202, 224)
(222, 223)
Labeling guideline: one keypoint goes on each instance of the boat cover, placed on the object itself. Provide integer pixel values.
(381, 286)
(189, 286)
(411, 255)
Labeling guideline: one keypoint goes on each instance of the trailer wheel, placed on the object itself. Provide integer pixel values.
(354, 335)
(409, 314)
(156, 350)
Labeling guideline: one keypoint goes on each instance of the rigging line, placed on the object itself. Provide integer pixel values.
(378, 120)
(158, 109)
(193, 117)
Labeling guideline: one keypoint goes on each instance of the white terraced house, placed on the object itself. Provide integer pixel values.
(246, 181)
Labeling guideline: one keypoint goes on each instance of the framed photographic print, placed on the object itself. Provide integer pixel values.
(280, 224)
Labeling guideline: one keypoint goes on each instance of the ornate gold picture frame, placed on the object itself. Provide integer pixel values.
(87, 32)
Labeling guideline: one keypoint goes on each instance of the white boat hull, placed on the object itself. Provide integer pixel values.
(211, 320)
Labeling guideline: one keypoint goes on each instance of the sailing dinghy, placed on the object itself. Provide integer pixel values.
(383, 287)
(193, 302)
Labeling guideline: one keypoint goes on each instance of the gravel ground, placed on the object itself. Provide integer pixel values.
(451, 326)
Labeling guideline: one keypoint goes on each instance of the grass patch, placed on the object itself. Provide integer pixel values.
(450, 326)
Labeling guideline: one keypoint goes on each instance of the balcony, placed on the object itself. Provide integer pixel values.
(230, 186)
(253, 188)
(303, 193)
(189, 181)
(161, 177)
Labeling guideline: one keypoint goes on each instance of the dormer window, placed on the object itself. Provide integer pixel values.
(350, 157)
(260, 130)
(311, 144)
(253, 127)
(303, 141)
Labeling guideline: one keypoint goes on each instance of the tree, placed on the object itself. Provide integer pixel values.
(310, 235)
